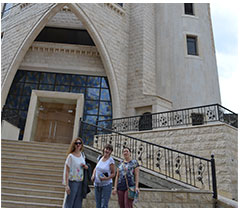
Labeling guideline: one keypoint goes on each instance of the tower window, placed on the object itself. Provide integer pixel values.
(188, 7)
(192, 45)
(120, 4)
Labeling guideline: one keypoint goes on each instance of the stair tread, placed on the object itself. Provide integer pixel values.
(33, 155)
(50, 152)
(38, 169)
(30, 178)
(32, 196)
(32, 164)
(28, 189)
(32, 184)
(33, 159)
(57, 145)
(30, 203)
(24, 172)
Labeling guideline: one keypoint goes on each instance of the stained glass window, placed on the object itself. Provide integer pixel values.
(97, 97)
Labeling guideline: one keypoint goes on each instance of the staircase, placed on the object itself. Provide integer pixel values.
(32, 178)
(32, 174)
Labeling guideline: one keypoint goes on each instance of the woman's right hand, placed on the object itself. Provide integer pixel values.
(93, 178)
(67, 189)
(114, 191)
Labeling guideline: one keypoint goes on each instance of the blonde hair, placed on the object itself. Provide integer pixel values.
(72, 145)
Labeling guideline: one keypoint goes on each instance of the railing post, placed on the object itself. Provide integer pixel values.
(80, 126)
(214, 180)
(218, 112)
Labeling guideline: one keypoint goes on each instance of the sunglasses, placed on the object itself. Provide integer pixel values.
(76, 143)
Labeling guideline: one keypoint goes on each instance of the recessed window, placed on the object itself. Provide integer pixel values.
(192, 45)
(188, 8)
(65, 36)
(6, 9)
(120, 4)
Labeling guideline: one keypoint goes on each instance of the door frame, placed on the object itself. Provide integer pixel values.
(52, 96)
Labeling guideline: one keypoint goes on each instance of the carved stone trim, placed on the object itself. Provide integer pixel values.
(116, 8)
(24, 5)
(66, 9)
(65, 48)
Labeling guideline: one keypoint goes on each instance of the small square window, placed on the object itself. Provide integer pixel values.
(192, 45)
(188, 9)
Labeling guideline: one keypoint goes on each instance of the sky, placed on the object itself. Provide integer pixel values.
(225, 16)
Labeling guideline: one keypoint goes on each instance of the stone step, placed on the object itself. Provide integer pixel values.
(32, 198)
(28, 169)
(19, 204)
(34, 146)
(33, 160)
(57, 188)
(33, 143)
(31, 180)
(36, 156)
(31, 165)
(33, 192)
(52, 152)
(56, 177)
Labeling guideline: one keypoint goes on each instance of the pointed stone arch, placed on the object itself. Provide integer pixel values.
(105, 57)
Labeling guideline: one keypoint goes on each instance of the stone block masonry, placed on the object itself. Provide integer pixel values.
(218, 139)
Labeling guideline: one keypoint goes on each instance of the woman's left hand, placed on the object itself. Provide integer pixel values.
(138, 190)
(84, 166)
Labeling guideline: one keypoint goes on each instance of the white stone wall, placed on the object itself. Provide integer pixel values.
(145, 45)
(186, 80)
(65, 19)
(218, 139)
(155, 198)
(9, 131)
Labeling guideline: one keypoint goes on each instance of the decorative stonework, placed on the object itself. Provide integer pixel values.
(68, 49)
(65, 9)
(116, 8)
(24, 5)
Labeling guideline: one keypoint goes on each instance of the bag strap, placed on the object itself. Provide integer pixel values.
(125, 176)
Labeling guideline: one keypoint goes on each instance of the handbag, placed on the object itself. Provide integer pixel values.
(131, 190)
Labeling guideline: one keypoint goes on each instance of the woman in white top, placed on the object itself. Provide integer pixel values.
(102, 177)
(74, 174)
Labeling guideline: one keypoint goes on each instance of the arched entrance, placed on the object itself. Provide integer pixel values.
(78, 11)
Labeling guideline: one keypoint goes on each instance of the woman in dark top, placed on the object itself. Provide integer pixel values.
(127, 169)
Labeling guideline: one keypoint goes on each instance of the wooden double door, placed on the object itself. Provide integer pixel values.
(55, 122)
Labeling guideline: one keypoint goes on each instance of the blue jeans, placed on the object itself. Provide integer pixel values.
(102, 195)
(74, 199)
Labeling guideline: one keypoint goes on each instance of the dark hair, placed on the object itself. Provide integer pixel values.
(126, 148)
(108, 146)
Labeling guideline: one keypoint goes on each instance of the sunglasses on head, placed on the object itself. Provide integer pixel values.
(76, 143)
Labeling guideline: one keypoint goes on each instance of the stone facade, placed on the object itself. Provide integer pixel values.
(150, 198)
(142, 49)
(218, 139)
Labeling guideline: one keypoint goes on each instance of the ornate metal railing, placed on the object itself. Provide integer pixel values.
(190, 169)
(190, 116)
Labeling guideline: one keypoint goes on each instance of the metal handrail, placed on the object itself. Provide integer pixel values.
(189, 116)
(187, 168)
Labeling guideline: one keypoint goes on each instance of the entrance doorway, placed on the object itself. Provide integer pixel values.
(55, 122)
(53, 116)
